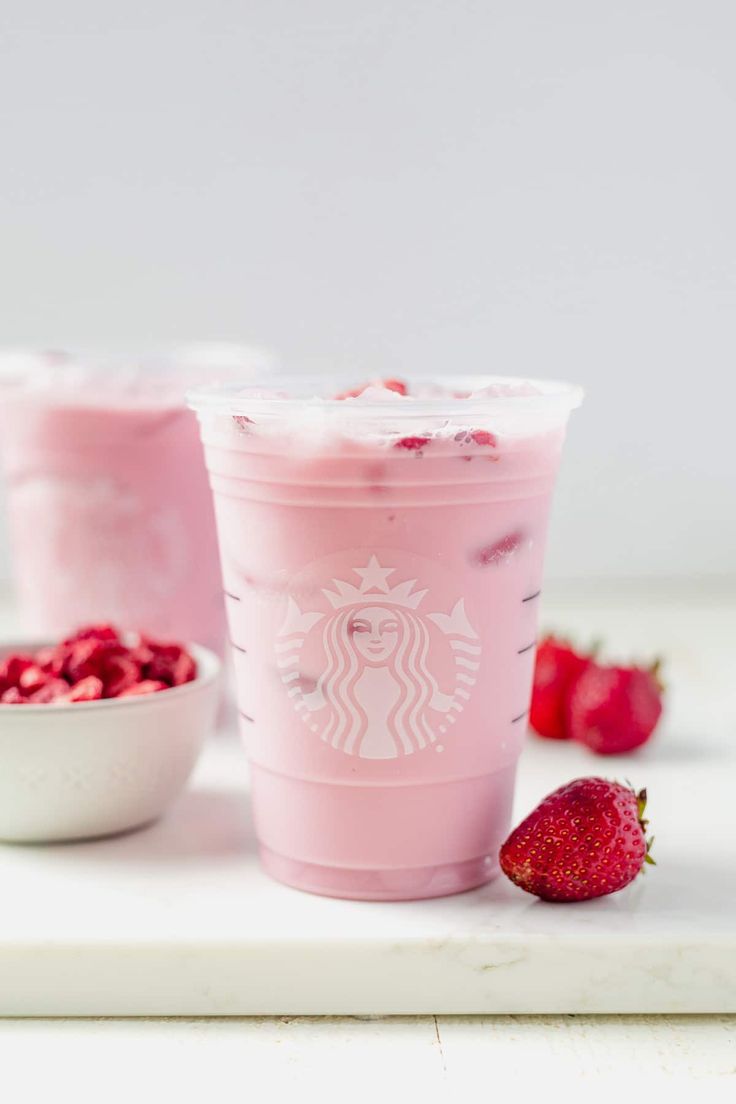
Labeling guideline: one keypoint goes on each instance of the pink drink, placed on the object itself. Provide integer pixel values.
(382, 560)
(109, 508)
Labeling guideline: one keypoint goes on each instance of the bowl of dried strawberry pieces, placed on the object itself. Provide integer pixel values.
(100, 732)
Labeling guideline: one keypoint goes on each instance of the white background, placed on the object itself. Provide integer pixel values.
(523, 187)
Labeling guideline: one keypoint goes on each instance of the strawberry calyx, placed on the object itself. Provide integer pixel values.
(641, 804)
(655, 670)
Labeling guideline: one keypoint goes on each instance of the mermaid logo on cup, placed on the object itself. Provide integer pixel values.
(378, 685)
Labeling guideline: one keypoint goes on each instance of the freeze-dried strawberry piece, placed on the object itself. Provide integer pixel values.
(185, 669)
(141, 653)
(499, 552)
(412, 444)
(51, 691)
(33, 678)
(119, 673)
(396, 385)
(477, 437)
(11, 669)
(81, 659)
(94, 663)
(160, 669)
(90, 657)
(148, 686)
(95, 632)
(484, 437)
(169, 663)
(13, 696)
(52, 659)
(87, 689)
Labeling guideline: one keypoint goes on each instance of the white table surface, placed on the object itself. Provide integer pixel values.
(694, 630)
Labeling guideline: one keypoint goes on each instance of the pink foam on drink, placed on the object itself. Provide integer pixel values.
(383, 561)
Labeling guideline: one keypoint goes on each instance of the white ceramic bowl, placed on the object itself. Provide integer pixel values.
(95, 768)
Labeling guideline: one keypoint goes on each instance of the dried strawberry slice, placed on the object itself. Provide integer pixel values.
(142, 653)
(90, 657)
(396, 385)
(11, 669)
(87, 689)
(33, 678)
(167, 663)
(484, 437)
(499, 552)
(185, 669)
(119, 673)
(13, 696)
(102, 632)
(51, 691)
(412, 444)
(52, 659)
(94, 663)
(148, 686)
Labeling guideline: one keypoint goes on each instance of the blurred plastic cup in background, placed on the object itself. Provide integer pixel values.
(108, 505)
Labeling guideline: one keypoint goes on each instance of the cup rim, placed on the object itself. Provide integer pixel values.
(284, 395)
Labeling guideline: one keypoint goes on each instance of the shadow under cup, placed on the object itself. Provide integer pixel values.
(382, 565)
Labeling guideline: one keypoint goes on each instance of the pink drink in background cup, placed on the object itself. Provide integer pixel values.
(382, 559)
(108, 504)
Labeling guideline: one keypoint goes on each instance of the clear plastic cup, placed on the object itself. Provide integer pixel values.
(382, 559)
(108, 505)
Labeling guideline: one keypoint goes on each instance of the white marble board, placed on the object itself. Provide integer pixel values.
(179, 920)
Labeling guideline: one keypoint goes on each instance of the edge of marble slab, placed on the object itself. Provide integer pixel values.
(499, 975)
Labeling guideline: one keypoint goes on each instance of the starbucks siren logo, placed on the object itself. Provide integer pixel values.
(377, 696)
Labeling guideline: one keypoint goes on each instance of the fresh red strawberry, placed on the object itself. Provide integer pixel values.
(557, 668)
(614, 709)
(584, 840)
